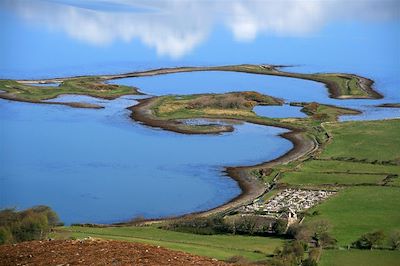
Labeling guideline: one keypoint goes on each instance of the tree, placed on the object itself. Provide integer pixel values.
(313, 257)
(5, 235)
(291, 254)
(30, 224)
(248, 224)
(370, 240)
(303, 233)
(309, 262)
(279, 227)
(394, 240)
(33, 226)
(326, 240)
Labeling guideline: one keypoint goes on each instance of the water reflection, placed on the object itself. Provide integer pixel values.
(175, 28)
(99, 166)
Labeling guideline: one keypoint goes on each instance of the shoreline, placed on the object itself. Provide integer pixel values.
(251, 187)
(70, 104)
(365, 84)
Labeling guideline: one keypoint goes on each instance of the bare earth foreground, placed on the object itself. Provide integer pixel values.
(95, 252)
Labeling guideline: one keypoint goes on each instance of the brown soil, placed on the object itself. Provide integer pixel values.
(95, 252)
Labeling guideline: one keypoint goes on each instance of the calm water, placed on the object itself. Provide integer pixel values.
(98, 165)
(291, 90)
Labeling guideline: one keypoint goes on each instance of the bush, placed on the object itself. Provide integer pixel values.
(316, 232)
(235, 224)
(239, 260)
(370, 240)
(199, 225)
(31, 224)
(394, 240)
(280, 227)
(291, 254)
(309, 262)
(5, 236)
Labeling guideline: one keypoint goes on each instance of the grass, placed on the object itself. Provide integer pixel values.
(215, 246)
(360, 153)
(359, 257)
(90, 86)
(234, 103)
(347, 85)
(358, 210)
(334, 172)
(310, 179)
(371, 140)
(340, 85)
(238, 106)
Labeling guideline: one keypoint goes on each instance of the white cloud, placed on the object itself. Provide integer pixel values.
(176, 27)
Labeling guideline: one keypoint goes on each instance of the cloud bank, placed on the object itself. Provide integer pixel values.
(175, 27)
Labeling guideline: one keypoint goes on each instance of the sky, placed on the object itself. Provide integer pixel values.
(43, 36)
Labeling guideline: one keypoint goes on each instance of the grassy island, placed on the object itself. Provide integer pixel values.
(339, 85)
(91, 86)
(168, 111)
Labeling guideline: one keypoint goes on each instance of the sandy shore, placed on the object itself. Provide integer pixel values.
(251, 186)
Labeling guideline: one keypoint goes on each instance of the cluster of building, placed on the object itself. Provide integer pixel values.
(295, 200)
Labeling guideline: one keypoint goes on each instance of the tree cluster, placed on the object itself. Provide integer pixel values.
(375, 240)
(30, 224)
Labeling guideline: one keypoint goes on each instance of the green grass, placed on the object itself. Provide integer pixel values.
(236, 106)
(359, 257)
(371, 140)
(347, 84)
(360, 153)
(215, 246)
(84, 86)
(322, 172)
(233, 103)
(358, 210)
(309, 179)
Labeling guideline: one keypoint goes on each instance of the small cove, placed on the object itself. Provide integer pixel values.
(100, 166)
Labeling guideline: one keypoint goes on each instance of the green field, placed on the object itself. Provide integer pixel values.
(337, 172)
(215, 246)
(359, 257)
(362, 162)
(358, 210)
(360, 153)
(371, 140)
